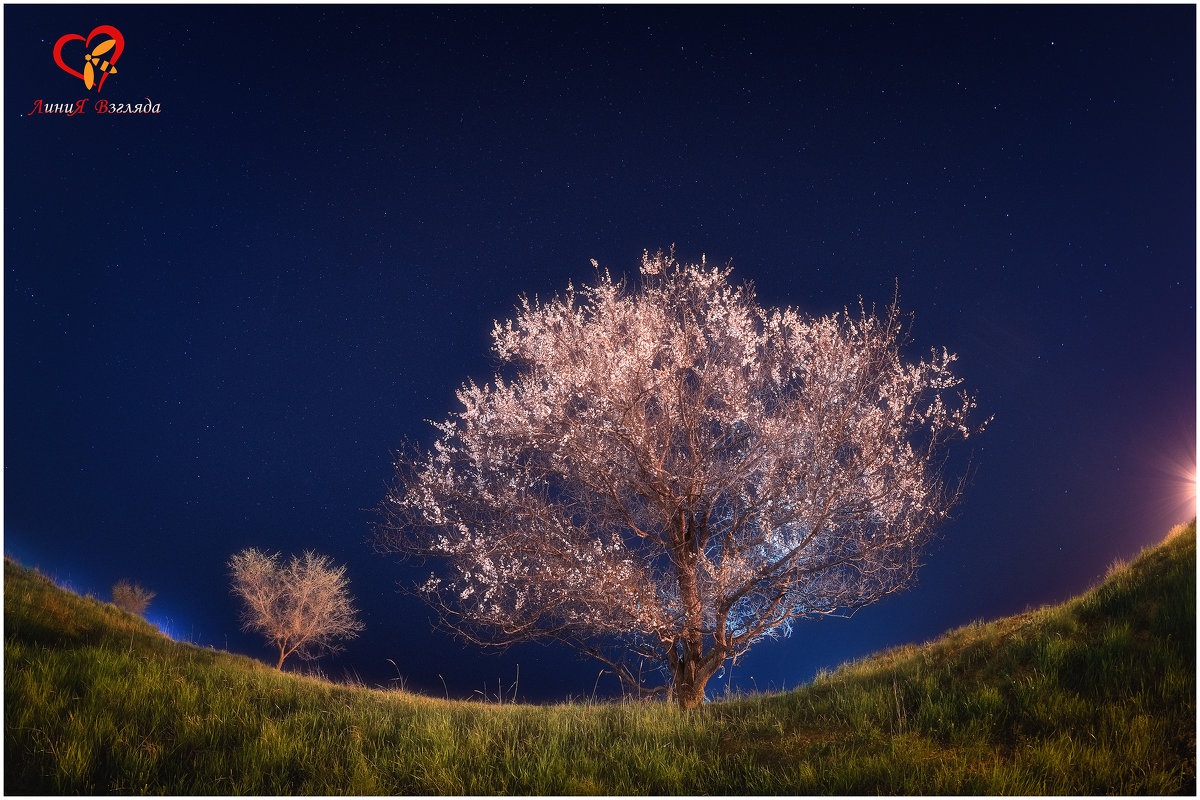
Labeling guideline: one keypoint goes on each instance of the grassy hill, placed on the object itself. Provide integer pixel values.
(1096, 696)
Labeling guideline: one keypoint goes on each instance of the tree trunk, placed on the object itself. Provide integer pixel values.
(689, 688)
(282, 656)
(690, 667)
(690, 674)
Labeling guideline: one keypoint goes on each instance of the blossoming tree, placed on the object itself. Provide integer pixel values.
(672, 473)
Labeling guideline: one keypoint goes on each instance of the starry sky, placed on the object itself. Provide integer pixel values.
(221, 319)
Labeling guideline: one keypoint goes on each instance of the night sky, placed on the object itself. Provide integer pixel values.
(221, 319)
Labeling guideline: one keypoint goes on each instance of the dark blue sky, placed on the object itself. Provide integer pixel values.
(221, 318)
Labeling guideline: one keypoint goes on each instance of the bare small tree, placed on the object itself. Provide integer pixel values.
(672, 474)
(301, 607)
(131, 597)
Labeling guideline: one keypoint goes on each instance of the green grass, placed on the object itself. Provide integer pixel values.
(1096, 696)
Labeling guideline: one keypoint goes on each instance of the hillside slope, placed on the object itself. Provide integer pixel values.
(1096, 696)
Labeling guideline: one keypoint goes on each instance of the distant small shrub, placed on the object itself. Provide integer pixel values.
(131, 597)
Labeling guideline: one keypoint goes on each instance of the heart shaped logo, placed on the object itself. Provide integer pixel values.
(99, 60)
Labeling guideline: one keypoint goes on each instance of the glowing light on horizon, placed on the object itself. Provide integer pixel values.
(1162, 478)
(1179, 492)
(1190, 491)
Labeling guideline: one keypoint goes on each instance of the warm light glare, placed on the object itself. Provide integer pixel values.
(1190, 491)
(1180, 472)
(1162, 480)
